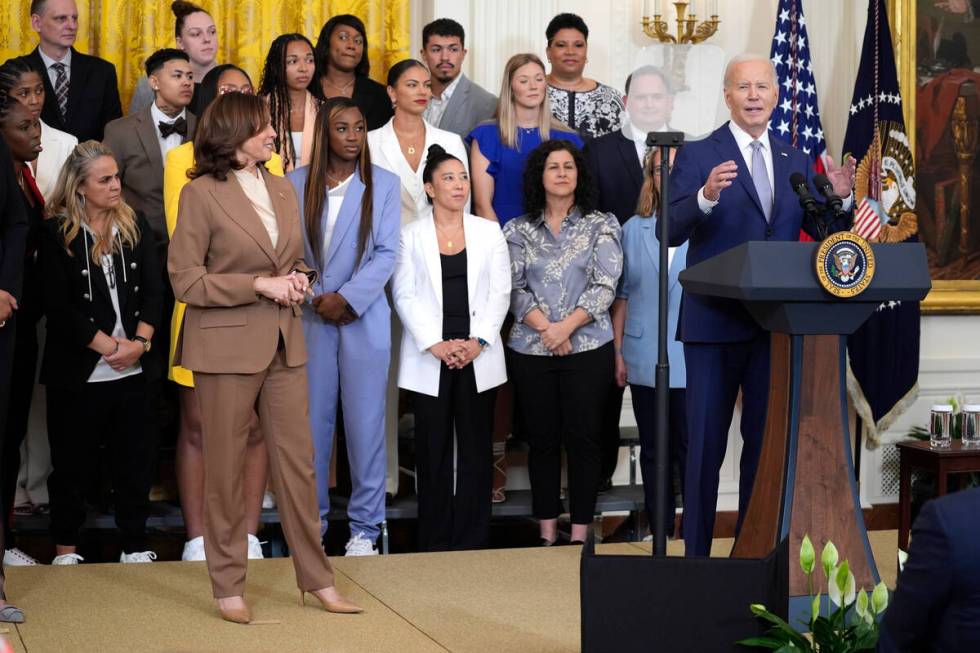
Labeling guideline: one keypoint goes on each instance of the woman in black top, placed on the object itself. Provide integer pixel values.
(451, 290)
(22, 132)
(103, 297)
(342, 69)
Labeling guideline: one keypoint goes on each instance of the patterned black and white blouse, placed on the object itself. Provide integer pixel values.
(596, 112)
(578, 268)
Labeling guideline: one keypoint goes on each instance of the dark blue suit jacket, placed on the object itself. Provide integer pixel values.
(736, 219)
(936, 605)
(617, 173)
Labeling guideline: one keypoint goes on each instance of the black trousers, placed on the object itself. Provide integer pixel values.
(645, 410)
(23, 374)
(560, 400)
(611, 411)
(80, 420)
(7, 344)
(454, 519)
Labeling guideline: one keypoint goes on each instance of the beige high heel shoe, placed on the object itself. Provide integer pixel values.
(341, 606)
(240, 615)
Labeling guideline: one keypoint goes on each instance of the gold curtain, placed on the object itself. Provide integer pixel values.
(125, 32)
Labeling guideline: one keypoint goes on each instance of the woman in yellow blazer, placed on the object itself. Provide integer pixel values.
(236, 260)
(222, 79)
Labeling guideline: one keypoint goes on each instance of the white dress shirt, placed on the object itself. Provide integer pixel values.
(639, 138)
(52, 73)
(437, 106)
(171, 141)
(335, 199)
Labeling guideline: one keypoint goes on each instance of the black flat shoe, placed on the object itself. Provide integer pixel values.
(545, 542)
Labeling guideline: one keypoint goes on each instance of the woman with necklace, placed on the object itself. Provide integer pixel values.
(400, 146)
(103, 299)
(591, 108)
(350, 214)
(289, 68)
(343, 67)
(452, 290)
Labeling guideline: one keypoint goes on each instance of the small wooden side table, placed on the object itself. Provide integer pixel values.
(917, 454)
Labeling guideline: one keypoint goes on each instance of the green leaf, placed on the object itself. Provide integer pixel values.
(879, 598)
(770, 643)
(829, 558)
(807, 555)
(781, 628)
(815, 609)
(903, 557)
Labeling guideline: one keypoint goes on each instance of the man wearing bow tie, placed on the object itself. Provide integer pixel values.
(140, 141)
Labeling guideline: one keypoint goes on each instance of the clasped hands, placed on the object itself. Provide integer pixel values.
(458, 353)
(286, 290)
(127, 353)
(555, 336)
(8, 304)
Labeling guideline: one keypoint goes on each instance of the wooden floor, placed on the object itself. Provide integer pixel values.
(523, 600)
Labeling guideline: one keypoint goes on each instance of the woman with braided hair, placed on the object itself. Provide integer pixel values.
(289, 67)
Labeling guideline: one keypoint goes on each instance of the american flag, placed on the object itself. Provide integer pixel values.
(796, 118)
(867, 219)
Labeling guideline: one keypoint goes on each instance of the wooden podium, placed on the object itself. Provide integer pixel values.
(805, 481)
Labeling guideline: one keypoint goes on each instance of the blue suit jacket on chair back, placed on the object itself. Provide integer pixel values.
(360, 282)
(737, 218)
(640, 286)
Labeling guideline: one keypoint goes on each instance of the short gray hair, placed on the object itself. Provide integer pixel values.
(747, 57)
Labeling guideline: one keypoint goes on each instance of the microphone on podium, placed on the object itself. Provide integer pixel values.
(826, 189)
(808, 202)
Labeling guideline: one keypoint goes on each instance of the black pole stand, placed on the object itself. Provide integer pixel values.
(665, 141)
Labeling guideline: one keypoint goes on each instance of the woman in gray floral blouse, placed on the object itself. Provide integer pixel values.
(566, 260)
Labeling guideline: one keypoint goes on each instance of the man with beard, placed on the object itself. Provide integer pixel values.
(458, 105)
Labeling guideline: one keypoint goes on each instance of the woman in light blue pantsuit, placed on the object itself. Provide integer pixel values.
(352, 242)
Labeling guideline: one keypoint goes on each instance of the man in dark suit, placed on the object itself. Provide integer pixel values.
(81, 93)
(616, 159)
(13, 243)
(458, 105)
(936, 605)
(727, 189)
(140, 141)
(616, 163)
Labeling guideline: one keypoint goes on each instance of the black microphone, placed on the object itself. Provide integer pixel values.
(826, 189)
(809, 204)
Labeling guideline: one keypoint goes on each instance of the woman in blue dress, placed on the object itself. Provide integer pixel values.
(499, 148)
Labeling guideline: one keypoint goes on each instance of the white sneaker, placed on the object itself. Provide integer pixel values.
(360, 546)
(67, 559)
(17, 558)
(194, 549)
(268, 501)
(139, 556)
(254, 548)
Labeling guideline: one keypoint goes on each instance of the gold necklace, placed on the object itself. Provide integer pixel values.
(342, 89)
(449, 241)
(411, 146)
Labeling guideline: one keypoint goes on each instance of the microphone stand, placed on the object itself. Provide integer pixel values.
(665, 141)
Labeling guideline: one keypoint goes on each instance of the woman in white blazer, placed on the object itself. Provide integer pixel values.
(452, 290)
(401, 146)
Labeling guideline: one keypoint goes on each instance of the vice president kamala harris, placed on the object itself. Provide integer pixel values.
(236, 260)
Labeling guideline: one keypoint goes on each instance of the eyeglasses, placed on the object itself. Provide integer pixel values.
(656, 170)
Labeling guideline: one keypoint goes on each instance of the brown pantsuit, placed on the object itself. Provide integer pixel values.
(280, 396)
(246, 351)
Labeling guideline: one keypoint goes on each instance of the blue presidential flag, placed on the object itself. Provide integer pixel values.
(883, 354)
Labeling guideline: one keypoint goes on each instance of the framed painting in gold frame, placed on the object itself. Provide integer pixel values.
(937, 46)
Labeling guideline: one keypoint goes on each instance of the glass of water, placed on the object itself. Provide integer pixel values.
(941, 426)
(970, 426)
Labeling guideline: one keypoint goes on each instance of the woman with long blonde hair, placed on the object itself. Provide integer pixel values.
(103, 296)
(499, 148)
